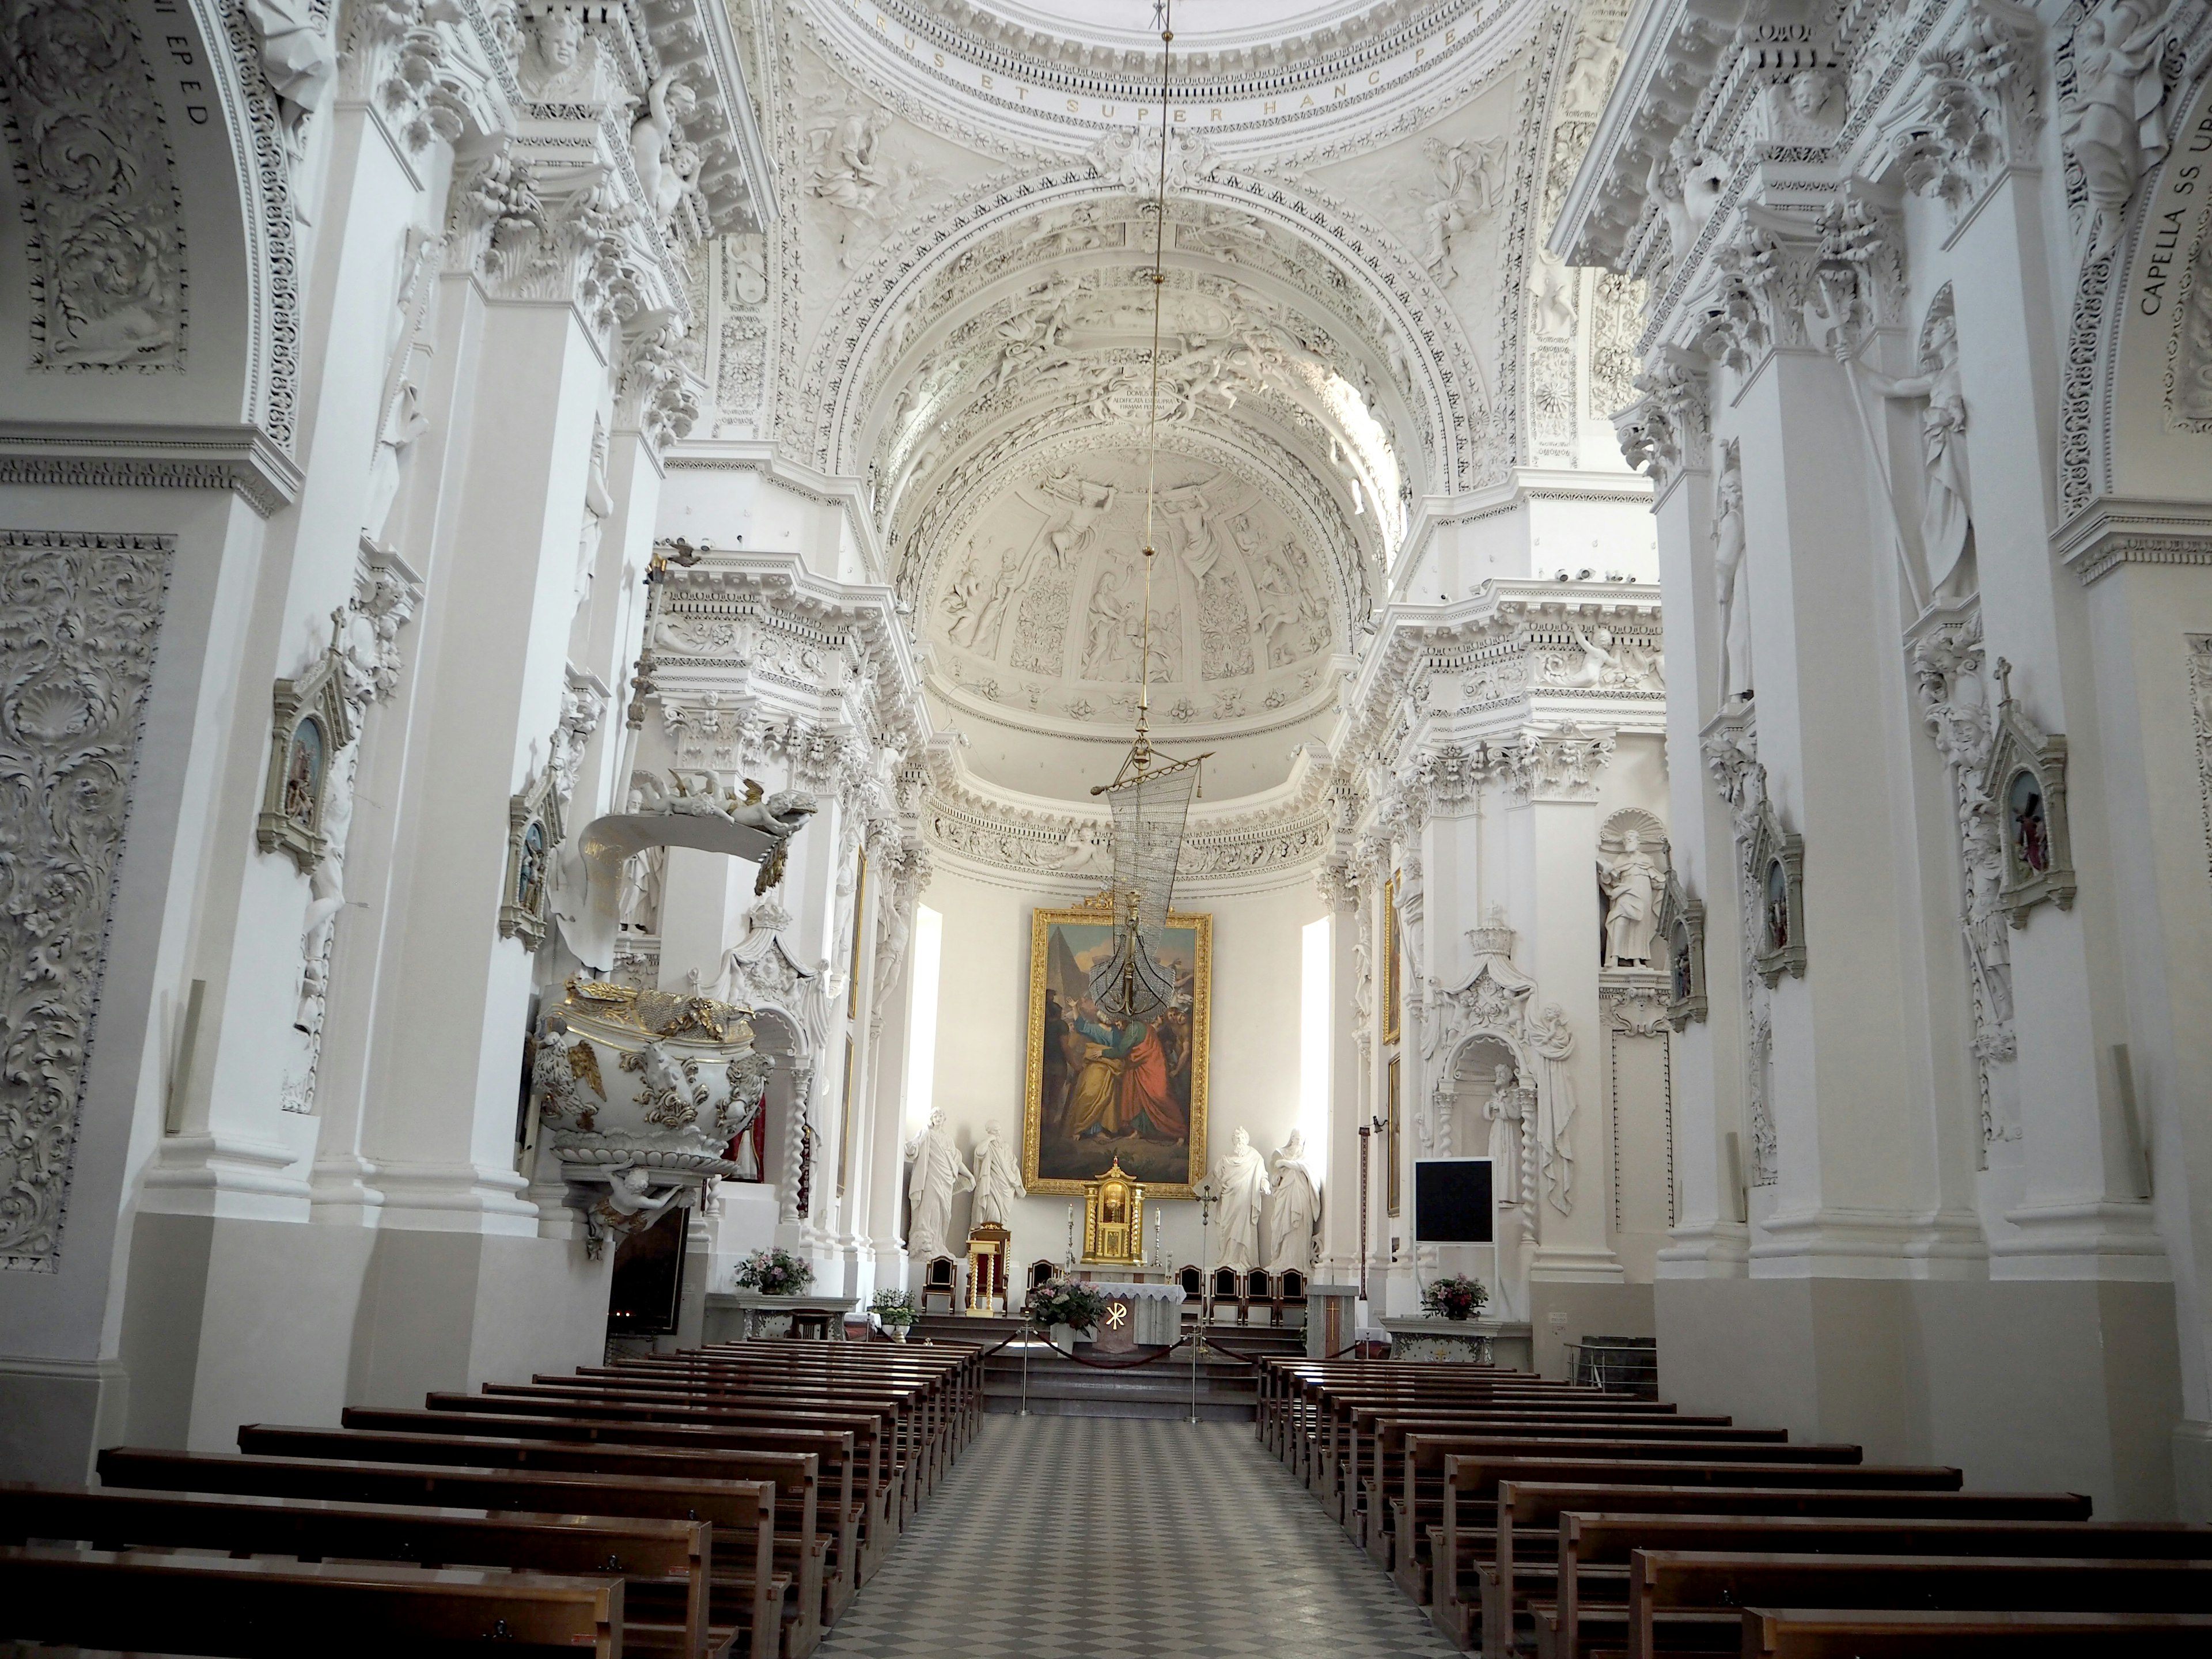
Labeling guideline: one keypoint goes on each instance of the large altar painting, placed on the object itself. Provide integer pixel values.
(1101, 1087)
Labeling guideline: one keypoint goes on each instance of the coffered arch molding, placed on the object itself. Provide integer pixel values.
(1447, 399)
(2136, 419)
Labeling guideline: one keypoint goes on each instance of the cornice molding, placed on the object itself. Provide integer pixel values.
(242, 459)
(2116, 530)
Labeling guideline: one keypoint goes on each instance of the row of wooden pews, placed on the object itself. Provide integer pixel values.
(724, 1503)
(1534, 1517)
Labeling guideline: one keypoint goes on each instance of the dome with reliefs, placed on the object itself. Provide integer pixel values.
(1039, 610)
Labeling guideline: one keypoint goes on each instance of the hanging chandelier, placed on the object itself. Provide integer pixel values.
(1150, 797)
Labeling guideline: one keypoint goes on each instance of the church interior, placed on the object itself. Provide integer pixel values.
(1221, 798)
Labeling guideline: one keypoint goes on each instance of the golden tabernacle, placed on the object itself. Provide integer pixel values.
(1113, 1221)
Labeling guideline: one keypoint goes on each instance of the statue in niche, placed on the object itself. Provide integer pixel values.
(1242, 1178)
(643, 876)
(1295, 1212)
(998, 1182)
(938, 1173)
(1503, 1113)
(1631, 884)
(1946, 516)
(2113, 125)
(1732, 580)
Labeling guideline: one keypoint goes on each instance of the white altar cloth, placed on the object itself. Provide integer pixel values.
(1155, 1309)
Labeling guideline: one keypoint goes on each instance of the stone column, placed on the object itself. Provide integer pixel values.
(1669, 432)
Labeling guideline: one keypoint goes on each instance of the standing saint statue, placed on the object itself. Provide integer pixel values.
(1296, 1210)
(1730, 576)
(1945, 511)
(1503, 1110)
(1631, 884)
(1243, 1179)
(939, 1173)
(998, 1182)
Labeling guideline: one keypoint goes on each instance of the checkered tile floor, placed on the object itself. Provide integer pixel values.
(1104, 1538)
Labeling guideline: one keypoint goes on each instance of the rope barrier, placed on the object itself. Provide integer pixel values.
(1117, 1366)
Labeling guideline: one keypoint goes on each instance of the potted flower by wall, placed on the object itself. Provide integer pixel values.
(774, 1273)
(1454, 1298)
(1064, 1301)
(894, 1311)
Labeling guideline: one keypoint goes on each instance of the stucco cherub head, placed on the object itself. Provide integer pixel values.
(557, 33)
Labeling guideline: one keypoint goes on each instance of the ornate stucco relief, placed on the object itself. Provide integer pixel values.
(80, 618)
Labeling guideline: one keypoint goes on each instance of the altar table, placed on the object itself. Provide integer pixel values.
(1151, 1316)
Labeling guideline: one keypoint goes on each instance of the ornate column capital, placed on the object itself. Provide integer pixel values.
(1560, 764)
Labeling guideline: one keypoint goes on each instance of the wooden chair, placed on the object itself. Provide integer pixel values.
(941, 1277)
(1041, 1273)
(1229, 1287)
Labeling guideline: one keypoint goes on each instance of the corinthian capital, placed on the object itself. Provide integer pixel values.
(1561, 764)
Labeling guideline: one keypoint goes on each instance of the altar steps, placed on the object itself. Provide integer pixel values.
(1059, 1387)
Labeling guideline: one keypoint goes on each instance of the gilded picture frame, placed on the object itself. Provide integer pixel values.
(1393, 966)
(1096, 1089)
(1391, 1196)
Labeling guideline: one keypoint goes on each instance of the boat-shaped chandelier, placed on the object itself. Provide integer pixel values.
(1150, 797)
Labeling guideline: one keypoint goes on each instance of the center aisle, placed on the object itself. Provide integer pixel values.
(1104, 1538)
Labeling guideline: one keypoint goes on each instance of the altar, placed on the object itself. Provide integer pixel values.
(1463, 1341)
(743, 1315)
(1138, 1314)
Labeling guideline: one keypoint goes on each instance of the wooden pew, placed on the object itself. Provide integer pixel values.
(1400, 1450)
(748, 1591)
(1694, 1591)
(1476, 1478)
(1538, 1521)
(153, 1603)
(937, 1416)
(906, 1407)
(1591, 1576)
(800, 1544)
(659, 1562)
(1833, 1633)
(1417, 1507)
(837, 1516)
(658, 1405)
(871, 1450)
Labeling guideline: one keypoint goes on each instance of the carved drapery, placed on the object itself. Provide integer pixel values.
(79, 617)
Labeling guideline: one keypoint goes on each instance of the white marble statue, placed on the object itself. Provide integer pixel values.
(1242, 1175)
(1502, 1111)
(1946, 512)
(1730, 577)
(998, 1182)
(1295, 1211)
(2113, 125)
(938, 1172)
(1631, 884)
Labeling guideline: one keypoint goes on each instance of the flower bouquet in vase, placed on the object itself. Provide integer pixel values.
(1064, 1301)
(894, 1311)
(1456, 1296)
(774, 1273)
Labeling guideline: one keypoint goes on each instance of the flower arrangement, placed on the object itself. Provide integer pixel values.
(774, 1273)
(1063, 1301)
(1456, 1296)
(894, 1309)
